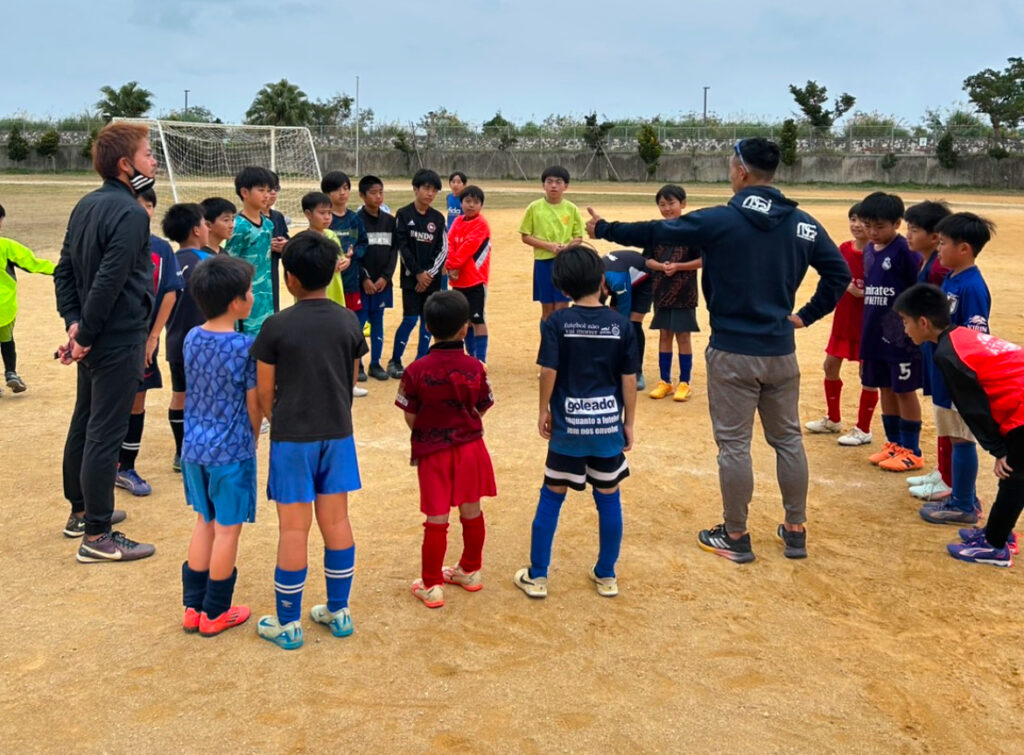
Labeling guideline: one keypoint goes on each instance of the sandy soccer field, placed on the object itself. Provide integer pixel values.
(879, 642)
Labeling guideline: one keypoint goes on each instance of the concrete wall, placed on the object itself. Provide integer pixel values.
(977, 170)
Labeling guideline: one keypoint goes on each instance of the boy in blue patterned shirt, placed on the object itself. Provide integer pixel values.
(218, 457)
(252, 241)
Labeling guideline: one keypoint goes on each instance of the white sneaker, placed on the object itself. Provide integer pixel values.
(535, 587)
(607, 587)
(931, 491)
(855, 437)
(824, 425)
(359, 392)
(925, 479)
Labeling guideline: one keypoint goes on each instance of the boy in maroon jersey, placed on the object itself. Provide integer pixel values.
(444, 395)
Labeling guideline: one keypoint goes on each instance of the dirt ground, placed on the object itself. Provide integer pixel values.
(879, 642)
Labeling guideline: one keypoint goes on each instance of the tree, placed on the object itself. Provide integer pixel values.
(649, 147)
(17, 144)
(999, 95)
(195, 114)
(87, 147)
(812, 100)
(280, 104)
(787, 142)
(441, 122)
(595, 134)
(502, 129)
(128, 101)
(48, 145)
(958, 120)
(408, 149)
(334, 111)
(946, 152)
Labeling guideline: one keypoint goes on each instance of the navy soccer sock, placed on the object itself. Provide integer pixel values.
(405, 329)
(288, 587)
(665, 365)
(132, 442)
(545, 522)
(424, 343)
(193, 587)
(609, 517)
(910, 435)
(965, 475)
(376, 335)
(218, 595)
(685, 367)
(471, 342)
(481, 348)
(891, 425)
(339, 568)
(177, 419)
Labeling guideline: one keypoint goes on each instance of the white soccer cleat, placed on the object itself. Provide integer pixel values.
(359, 391)
(931, 491)
(855, 437)
(824, 425)
(925, 479)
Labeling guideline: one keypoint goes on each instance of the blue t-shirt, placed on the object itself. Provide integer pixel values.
(887, 274)
(219, 372)
(969, 305)
(166, 275)
(591, 348)
(352, 234)
(454, 209)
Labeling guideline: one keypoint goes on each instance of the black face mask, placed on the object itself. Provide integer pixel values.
(139, 182)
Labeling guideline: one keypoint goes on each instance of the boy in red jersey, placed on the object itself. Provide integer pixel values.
(844, 343)
(469, 265)
(444, 395)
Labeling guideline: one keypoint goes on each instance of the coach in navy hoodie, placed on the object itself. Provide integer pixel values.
(756, 251)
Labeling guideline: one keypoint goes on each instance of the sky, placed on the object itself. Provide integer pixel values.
(524, 58)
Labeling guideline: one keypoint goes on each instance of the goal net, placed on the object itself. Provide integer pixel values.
(200, 160)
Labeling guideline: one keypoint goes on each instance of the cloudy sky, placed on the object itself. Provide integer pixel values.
(524, 57)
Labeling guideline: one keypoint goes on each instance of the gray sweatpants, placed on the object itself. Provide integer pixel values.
(738, 385)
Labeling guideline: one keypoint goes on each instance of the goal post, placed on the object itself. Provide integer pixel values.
(200, 160)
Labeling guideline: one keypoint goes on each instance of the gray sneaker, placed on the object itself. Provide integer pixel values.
(377, 372)
(795, 542)
(113, 546)
(395, 369)
(15, 383)
(75, 526)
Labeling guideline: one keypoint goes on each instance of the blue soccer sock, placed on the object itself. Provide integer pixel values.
(891, 425)
(339, 568)
(481, 348)
(685, 367)
(376, 335)
(609, 518)
(471, 341)
(545, 522)
(965, 475)
(665, 365)
(910, 435)
(288, 587)
(424, 344)
(193, 586)
(405, 329)
(218, 595)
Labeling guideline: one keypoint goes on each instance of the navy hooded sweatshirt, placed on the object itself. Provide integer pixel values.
(755, 252)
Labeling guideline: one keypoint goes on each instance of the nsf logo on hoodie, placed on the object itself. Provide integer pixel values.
(757, 204)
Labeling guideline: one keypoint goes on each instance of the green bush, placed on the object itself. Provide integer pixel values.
(649, 147)
(17, 144)
(998, 152)
(946, 152)
(787, 142)
(888, 162)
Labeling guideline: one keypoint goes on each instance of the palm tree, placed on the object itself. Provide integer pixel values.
(129, 101)
(280, 104)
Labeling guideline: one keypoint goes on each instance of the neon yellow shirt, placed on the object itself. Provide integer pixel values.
(335, 289)
(21, 256)
(560, 223)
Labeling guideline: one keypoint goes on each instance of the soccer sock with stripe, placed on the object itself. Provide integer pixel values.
(609, 518)
(435, 544)
(193, 586)
(965, 475)
(376, 335)
(218, 595)
(545, 522)
(910, 435)
(424, 343)
(945, 460)
(10, 356)
(685, 367)
(665, 366)
(471, 341)
(177, 419)
(481, 348)
(833, 393)
(339, 569)
(866, 410)
(132, 442)
(473, 535)
(405, 328)
(641, 342)
(288, 587)
(891, 425)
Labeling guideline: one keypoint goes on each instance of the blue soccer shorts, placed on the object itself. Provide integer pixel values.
(299, 472)
(222, 493)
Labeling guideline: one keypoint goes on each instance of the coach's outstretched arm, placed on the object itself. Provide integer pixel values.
(687, 230)
(834, 278)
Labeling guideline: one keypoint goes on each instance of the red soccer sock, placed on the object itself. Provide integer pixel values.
(833, 392)
(868, 401)
(435, 543)
(945, 457)
(473, 534)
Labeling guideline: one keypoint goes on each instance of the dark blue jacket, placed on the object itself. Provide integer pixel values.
(756, 251)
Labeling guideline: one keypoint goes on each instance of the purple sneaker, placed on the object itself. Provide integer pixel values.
(113, 546)
(980, 552)
(971, 535)
(946, 513)
(129, 480)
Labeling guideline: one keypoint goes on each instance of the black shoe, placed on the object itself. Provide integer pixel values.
(377, 372)
(75, 526)
(395, 369)
(795, 542)
(362, 374)
(716, 540)
(113, 546)
(15, 383)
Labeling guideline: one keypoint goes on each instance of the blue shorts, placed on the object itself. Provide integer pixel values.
(299, 472)
(222, 493)
(900, 377)
(544, 290)
(384, 300)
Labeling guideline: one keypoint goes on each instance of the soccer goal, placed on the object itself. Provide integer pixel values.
(199, 160)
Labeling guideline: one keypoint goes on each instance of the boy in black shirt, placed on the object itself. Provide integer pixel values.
(423, 246)
(377, 267)
(307, 358)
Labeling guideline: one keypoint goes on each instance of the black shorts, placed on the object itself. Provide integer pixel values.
(477, 298)
(151, 377)
(413, 300)
(642, 296)
(177, 376)
(577, 471)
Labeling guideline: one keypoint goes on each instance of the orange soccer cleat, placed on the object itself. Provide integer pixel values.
(888, 451)
(905, 460)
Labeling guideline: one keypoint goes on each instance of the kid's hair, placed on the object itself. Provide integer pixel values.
(3, 212)
(927, 301)
(555, 171)
(276, 186)
(854, 211)
(315, 199)
(334, 180)
(760, 156)
(426, 177)
(180, 219)
(671, 191)
(251, 177)
(311, 258)
(147, 195)
(217, 281)
(445, 312)
(926, 215)
(881, 206)
(460, 174)
(368, 182)
(214, 207)
(578, 271)
(967, 228)
(114, 141)
(472, 191)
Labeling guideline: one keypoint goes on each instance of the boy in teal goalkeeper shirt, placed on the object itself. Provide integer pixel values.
(14, 255)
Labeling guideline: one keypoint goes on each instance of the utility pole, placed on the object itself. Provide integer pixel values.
(357, 125)
(706, 105)
(186, 102)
